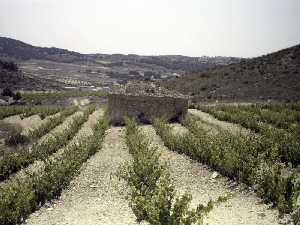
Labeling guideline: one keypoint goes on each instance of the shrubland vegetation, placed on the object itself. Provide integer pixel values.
(8, 65)
(39, 96)
(19, 197)
(153, 197)
(51, 123)
(12, 163)
(280, 128)
(26, 110)
(248, 159)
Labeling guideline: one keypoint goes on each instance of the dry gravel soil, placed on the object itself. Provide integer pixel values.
(97, 196)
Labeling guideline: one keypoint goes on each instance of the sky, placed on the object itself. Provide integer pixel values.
(241, 28)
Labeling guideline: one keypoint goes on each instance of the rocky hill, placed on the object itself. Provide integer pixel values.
(274, 76)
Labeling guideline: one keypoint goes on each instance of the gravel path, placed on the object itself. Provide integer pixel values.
(97, 195)
(189, 175)
(213, 122)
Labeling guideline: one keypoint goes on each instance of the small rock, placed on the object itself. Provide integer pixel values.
(214, 175)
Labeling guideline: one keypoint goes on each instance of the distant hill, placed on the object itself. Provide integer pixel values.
(14, 49)
(11, 77)
(177, 63)
(11, 48)
(274, 76)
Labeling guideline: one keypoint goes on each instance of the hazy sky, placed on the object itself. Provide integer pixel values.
(189, 27)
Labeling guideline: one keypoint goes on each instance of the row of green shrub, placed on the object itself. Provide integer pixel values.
(26, 111)
(152, 193)
(243, 158)
(278, 107)
(284, 118)
(285, 144)
(20, 197)
(12, 163)
(34, 96)
(51, 123)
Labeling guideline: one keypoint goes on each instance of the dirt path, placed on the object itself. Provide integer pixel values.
(213, 122)
(191, 176)
(96, 196)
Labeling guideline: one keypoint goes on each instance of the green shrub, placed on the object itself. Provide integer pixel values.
(51, 123)
(285, 143)
(40, 151)
(152, 193)
(26, 111)
(21, 197)
(236, 156)
(17, 139)
(276, 188)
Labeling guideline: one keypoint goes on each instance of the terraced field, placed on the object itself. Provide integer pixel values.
(220, 165)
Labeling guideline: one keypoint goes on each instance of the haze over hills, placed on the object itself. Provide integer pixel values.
(73, 69)
(274, 76)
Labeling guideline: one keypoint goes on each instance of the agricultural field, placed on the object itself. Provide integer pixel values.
(221, 164)
(62, 97)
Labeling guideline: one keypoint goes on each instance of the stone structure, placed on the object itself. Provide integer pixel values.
(145, 102)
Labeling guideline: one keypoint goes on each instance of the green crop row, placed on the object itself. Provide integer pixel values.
(278, 107)
(51, 123)
(12, 163)
(20, 197)
(286, 144)
(152, 193)
(239, 157)
(33, 96)
(26, 111)
(284, 118)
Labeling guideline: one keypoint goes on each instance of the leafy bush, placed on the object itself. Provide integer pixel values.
(7, 92)
(26, 111)
(238, 157)
(40, 151)
(17, 139)
(286, 143)
(153, 195)
(51, 123)
(20, 197)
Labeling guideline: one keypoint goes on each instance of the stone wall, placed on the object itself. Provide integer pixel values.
(145, 108)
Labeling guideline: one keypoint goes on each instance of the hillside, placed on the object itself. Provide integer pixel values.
(19, 50)
(12, 77)
(74, 69)
(12, 48)
(274, 76)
